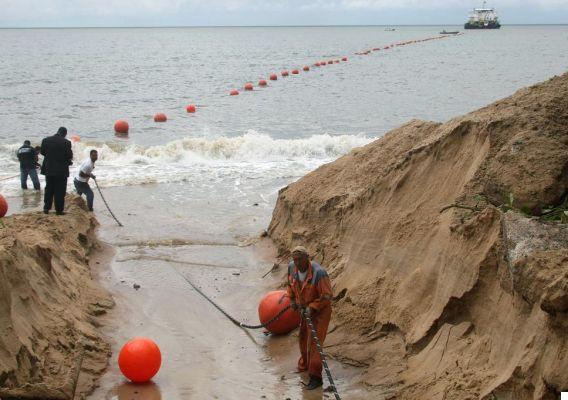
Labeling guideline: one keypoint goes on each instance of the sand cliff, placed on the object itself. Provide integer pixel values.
(448, 284)
(49, 305)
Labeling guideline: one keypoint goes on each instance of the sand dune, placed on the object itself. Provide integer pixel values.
(446, 288)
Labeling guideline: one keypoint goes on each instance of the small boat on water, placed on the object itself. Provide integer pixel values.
(444, 32)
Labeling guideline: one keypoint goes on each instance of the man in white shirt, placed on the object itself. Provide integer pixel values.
(81, 180)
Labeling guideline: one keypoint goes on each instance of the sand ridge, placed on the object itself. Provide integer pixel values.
(49, 305)
(414, 231)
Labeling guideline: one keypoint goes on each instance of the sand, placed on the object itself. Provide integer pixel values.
(50, 306)
(448, 284)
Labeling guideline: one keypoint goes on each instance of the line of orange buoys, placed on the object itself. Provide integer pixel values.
(121, 127)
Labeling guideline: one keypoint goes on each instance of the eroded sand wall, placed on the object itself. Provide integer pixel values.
(49, 305)
(435, 304)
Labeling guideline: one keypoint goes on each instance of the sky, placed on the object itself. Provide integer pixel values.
(78, 13)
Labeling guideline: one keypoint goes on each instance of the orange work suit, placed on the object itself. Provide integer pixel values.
(315, 292)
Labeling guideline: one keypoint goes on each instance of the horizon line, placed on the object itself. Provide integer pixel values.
(261, 26)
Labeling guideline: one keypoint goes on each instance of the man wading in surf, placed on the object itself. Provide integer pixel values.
(81, 180)
(310, 292)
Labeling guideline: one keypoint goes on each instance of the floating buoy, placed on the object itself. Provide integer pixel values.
(3, 206)
(121, 127)
(140, 359)
(317, 64)
(323, 63)
(190, 108)
(249, 86)
(295, 72)
(270, 305)
(336, 61)
(330, 62)
(234, 92)
(273, 77)
(262, 82)
(160, 117)
(344, 59)
(306, 68)
(75, 138)
(284, 73)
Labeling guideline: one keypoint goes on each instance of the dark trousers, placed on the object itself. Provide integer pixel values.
(84, 188)
(24, 172)
(55, 188)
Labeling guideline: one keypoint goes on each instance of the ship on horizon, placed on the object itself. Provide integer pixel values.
(483, 18)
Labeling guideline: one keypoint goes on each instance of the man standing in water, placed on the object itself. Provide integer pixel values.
(58, 157)
(309, 289)
(28, 162)
(81, 180)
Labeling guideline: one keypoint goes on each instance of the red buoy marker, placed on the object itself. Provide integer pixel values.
(190, 108)
(249, 86)
(284, 73)
(306, 68)
(234, 92)
(121, 127)
(160, 117)
(273, 77)
(344, 59)
(270, 305)
(295, 72)
(262, 82)
(317, 64)
(140, 359)
(3, 206)
(323, 63)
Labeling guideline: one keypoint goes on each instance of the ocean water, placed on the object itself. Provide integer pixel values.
(85, 79)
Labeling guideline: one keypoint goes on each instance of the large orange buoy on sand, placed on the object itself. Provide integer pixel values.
(270, 305)
(190, 108)
(249, 86)
(121, 127)
(273, 77)
(160, 117)
(3, 206)
(140, 359)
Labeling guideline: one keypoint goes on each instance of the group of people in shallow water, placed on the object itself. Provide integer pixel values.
(309, 286)
(57, 157)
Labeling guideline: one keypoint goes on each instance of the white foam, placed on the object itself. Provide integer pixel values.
(200, 161)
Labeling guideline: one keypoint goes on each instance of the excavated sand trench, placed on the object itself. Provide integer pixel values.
(205, 356)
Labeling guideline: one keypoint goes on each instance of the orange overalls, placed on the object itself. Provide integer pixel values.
(315, 292)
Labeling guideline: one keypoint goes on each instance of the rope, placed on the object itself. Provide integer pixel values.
(322, 355)
(226, 314)
(10, 177)
(106, 204)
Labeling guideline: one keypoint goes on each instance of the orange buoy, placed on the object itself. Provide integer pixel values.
(344, 59)
(249, 86)
(190, 108)
(306, 68)
(75, 138)
(330, 62)
(273, 77)
(284, 73)
(295, 72)
(160, 117)
(323, 63)
(234, 92)
(140, 359)
(262, 82)
(317, 64)
(3, 206)
(121, 127)
(270, 305)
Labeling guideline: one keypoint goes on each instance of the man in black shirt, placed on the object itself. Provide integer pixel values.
(28, 161)
(58, 157)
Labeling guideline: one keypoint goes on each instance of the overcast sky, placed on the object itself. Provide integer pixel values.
(17, 13)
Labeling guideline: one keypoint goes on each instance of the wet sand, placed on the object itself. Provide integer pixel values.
(205, 356)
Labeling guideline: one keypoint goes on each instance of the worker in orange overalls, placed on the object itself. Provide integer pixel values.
(310, 292)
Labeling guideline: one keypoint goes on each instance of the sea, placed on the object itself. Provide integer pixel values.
(199, 187)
